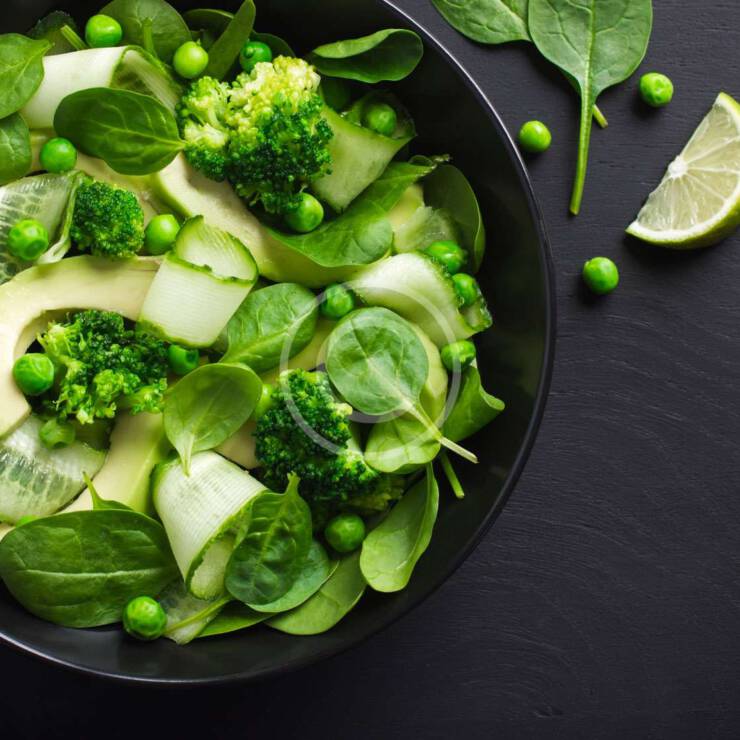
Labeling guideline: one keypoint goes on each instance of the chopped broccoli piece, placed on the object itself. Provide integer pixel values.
(306, 431)
(264, 133)
(103, 366)
(108, 221)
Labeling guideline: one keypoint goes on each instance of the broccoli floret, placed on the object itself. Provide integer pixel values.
(200, 114)
(103, 366)
(306, 431)
(264, 133)
(108, 221)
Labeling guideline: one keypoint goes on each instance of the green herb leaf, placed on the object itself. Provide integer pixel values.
(234, 617)
(487, 21)
(15, 148)
(145, 20)
(473, 409)
(598, 43)
(386, 56)
(266, 563)
(390, 552)
(21, 70)
(336, 598)
(400, 445)
(270, 321)
(225, 51)
(208, 406)
(80, 569)
(134, 133)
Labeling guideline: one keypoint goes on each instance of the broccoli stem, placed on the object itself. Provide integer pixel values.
(451, 475)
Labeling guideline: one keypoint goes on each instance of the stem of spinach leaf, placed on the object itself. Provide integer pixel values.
(419, 415)
(148, 34)
(584, 140)
(72, 38)
(599, 117)
(451, 475)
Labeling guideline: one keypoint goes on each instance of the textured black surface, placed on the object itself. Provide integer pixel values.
(605, 603)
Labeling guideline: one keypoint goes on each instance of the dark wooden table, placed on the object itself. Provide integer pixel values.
(605, 602)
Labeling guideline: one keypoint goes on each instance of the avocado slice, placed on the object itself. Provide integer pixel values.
(190, 194)
(137, 445)
(74, 283)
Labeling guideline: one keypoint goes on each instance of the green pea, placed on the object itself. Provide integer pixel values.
(451, 256)
(535, 137)
(467, 288)
(190, 60)
(144, 618)
(338, 302)
(656, 89)
(381, 118)
(254, 53)
(337, 93)
(307, 216)
(33, 374)
(161, 233)
(265, 402)
(55, 434)
(345, 533)
(58, 155)
(458, 355)
(27, 519)
(28, 240)
(601, 275)
(102, 31)
(182, 361)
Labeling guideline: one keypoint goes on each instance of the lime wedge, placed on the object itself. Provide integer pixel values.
(698, 202)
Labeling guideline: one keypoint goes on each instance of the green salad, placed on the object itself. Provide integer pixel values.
(237, 312)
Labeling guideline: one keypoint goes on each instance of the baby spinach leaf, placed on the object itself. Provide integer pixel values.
(134, 133)
(377, 362)
(315, 571)
(208, 19)
(362, 234)
(599, 43)
(234, 617)
(386, 56)
(208, 406)
(150, 23)
(279, 318)
(328, 605)
(449, 190)
(80, 569)
(15, 148)
(400, 445)
(473, 409)
(280, 47)
(487, 21)
(21, 70)
(187, 615)
(390, 552)
(266, 563)
(225, 50)
(52, 28)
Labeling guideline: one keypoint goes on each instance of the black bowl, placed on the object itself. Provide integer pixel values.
(516, 356)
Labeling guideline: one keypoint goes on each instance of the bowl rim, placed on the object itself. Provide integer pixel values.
(541, 397)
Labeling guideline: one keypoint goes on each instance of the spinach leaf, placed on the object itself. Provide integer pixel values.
(266, 563)
(212, 23)
(473, 409)
(187, 615)
(390, 552)
(487, 21)
(153, 24)
(599, 43)
(277, 319)
(386, 56)
(449, 190)
(15, 148)
(101, 504)
(134, 133)
(208, 406)
(21, 70)
(329, 604)
(52, 28)
(315, 571)
(400, 445)
(80, 569)
(225, 51)
(362, 234)
(234, 617)
(377, 362)
(280, 47)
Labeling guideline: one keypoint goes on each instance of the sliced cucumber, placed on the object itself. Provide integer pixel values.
(188, 615)
(74, 283)
(359, 157)
(421, 291)
(129, 68)
(200, 513)
(37, 481)
(46, 198)
(426, 226)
